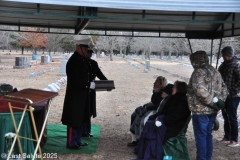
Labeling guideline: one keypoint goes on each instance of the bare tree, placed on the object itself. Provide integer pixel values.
(7, 37)
(57, 42)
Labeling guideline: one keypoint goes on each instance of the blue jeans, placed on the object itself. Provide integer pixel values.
(202, 127)
(230, 119)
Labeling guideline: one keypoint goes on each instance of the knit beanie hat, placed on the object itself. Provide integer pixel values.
(228, 51)
(168, 89)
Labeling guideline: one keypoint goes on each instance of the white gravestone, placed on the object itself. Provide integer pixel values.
(63, 66)
(147, 64)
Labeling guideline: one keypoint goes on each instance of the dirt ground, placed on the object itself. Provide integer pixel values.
(114, 108)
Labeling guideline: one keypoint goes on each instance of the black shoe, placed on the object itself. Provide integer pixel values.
(90, 135)
(132, 144)
(83, 144)
(87, 135)
(74, 147)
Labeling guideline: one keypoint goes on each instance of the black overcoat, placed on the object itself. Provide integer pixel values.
(76, 110)
(94, 72)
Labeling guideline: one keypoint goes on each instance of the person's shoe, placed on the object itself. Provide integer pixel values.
(85, 135)
(90, 135)
(83, 144)
(132, 144)
(74, 147)
(233, 144)
(224, 140)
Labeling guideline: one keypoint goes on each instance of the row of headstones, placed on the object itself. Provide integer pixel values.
(24, 62)
(132, 64)
(163, 70)
(55, 87)
(63, 63)
(186, 65)
(3, 68)
(32, 75)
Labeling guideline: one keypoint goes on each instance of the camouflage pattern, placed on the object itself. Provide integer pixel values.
(205, 84)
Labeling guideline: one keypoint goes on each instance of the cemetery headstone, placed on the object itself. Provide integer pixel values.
(56, 86)
(32, 75)
(46, 89)
(94, 56)
(63, 66)
(52, 88)
(102, 54)
(45, 59)
(21, 62)
(147, 64)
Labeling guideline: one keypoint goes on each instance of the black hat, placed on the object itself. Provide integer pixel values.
(168, 89)
(228, 51)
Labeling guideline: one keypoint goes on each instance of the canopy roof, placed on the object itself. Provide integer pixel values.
(200, 19)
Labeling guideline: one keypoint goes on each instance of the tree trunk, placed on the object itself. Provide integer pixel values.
(121, 54)
(111, 56)
(143, 54)
(177, 54)
(169, 54)
(124, 52)
(147, 55)
(162, 54)
(22, 49)
(98, 53)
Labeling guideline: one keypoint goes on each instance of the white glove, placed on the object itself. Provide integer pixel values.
(92, 85)
(215, 100)
(158, 123)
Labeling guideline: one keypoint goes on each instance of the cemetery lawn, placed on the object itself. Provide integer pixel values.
(114, 108)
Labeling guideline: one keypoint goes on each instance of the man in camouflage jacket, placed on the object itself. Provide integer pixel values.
(204, 85)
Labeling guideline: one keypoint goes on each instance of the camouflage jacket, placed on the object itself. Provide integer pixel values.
(205, 84)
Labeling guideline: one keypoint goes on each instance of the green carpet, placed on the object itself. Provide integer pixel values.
(57, 137)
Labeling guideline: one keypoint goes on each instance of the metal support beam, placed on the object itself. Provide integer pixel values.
(190, 46)
(219, 52)
(233, 25)
(90, 11)
(118, 18)
(222, 23)
(82, 26)
(143, 14)
(211, 51)
(193, 15)
(38, 8)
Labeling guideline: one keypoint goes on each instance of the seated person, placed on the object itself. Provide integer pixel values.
(166, 93)
(136, 116)
(173, 118)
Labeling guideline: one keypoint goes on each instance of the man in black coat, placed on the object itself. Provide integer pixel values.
(94, 72)
(76, 108)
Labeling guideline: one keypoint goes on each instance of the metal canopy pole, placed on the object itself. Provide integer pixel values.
(219, 51)
(211, 51)
(190, 45)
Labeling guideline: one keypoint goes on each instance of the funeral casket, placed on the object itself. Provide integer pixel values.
(104, 85)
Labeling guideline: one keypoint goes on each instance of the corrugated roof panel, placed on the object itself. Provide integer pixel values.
(163, 5)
